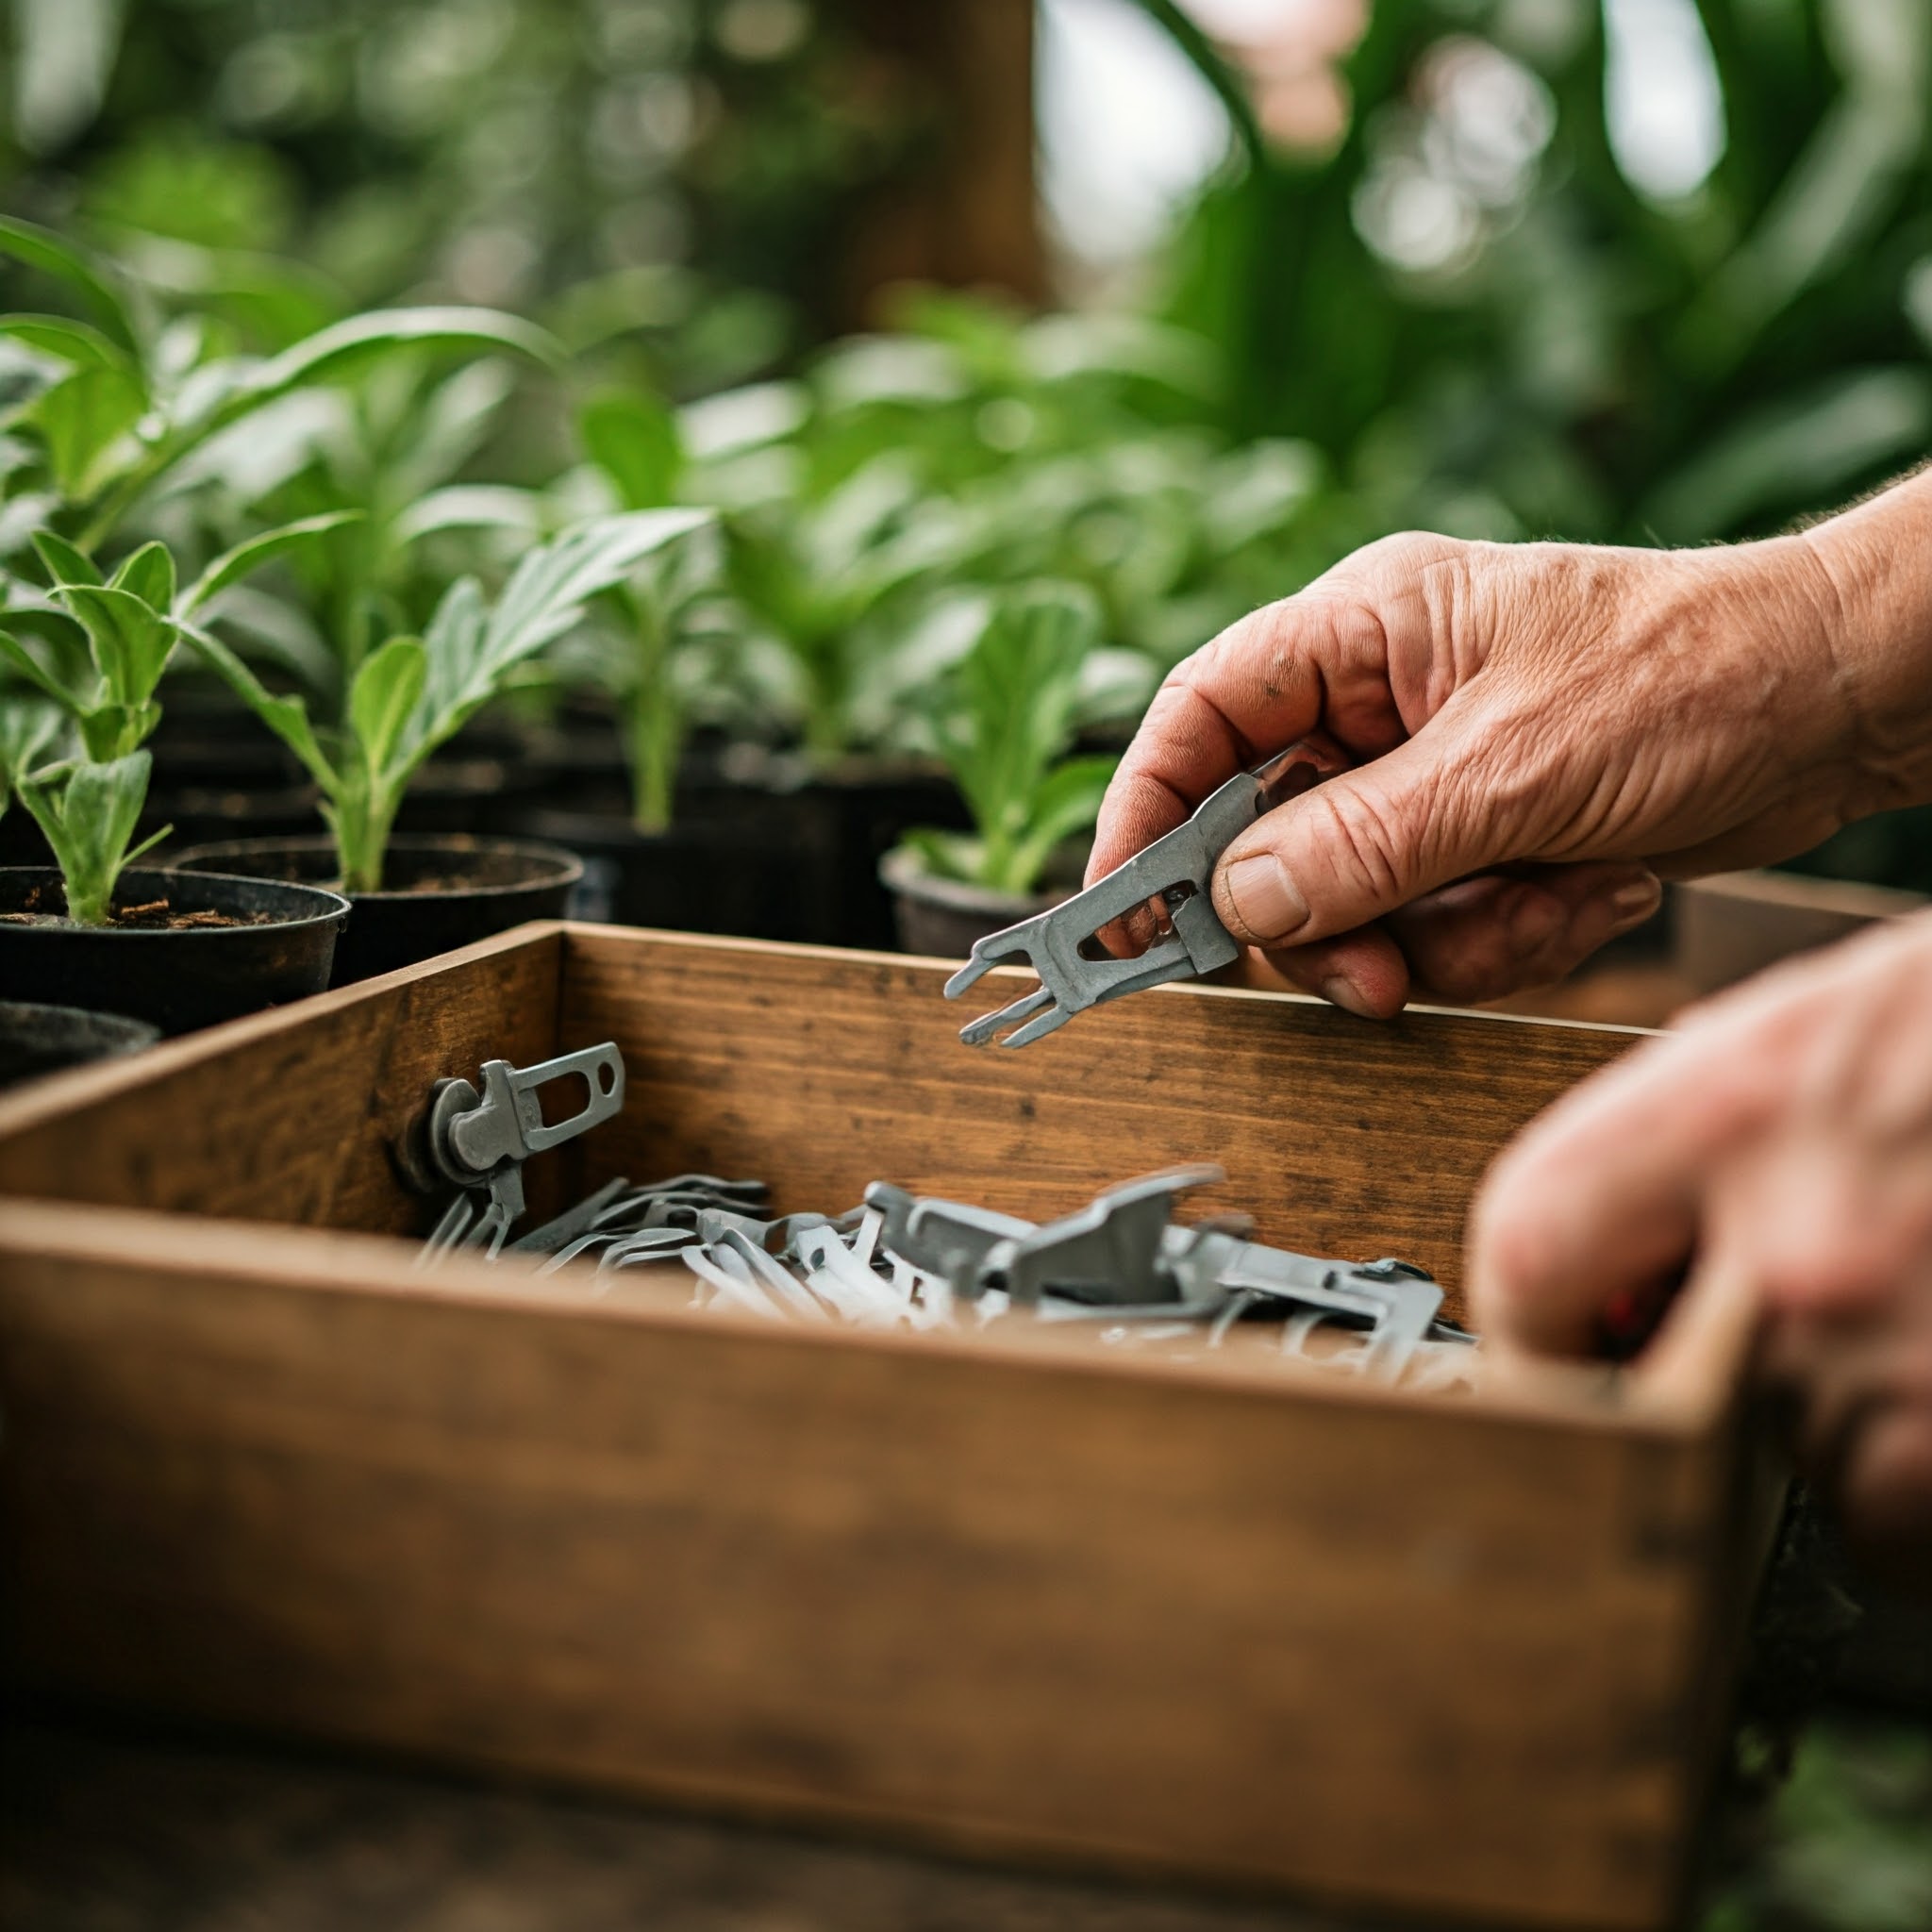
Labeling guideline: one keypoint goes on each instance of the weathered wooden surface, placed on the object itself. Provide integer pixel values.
(1152, 1617)
(1152, 1621)
(289, 1116)
(823, 1070)
(104, 1831)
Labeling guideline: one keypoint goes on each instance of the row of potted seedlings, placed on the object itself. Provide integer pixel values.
(765, 664)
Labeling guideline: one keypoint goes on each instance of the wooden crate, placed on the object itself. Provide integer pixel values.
(1010, 1593)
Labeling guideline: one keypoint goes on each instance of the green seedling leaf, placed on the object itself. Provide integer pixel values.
(65, 564)
(28, 728)
(384, 692)
(287, 718)
(84, 274)
(244, 559)
(68, 342)
(16, 654)
(472, 649)
(469, 506)
(89, 813)
(1009, 720)
(633, 438)
(149, 574)
(344, 346)
(131, 641)
(1067, 803)
(81, 419)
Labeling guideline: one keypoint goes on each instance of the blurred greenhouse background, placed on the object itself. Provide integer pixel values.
(978, 360)
(1166, 305)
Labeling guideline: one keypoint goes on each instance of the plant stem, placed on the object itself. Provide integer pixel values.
(361, 820)
(654, 722)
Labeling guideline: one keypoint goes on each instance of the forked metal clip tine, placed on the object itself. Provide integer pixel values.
(1062, 944)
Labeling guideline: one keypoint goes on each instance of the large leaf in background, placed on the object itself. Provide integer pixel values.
(471, 506)
(1066, 802)
(1795, 454)
(90, 280)
(634, 438)
(83, 420)
(345, 346)
(67, 340)
(274, 302)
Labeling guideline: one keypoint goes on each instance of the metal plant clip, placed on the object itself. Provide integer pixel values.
(1062, 944)
(480, 1141)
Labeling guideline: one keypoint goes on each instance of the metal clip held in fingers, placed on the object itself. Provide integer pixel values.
(1062, 944)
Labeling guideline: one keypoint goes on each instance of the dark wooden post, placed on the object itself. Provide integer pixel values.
(964, 215)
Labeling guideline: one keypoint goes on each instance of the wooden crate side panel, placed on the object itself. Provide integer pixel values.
(290, 1117)
(820, 1071)
(1424, 1657)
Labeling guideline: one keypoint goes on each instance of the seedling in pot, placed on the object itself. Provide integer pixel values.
(650, 653)
(103, 646)
(1008, 720)
(815, 564)
(413, 694)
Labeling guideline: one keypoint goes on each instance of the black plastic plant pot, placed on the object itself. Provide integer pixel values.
(942, 919)
(35, 1040)
(438, 893)
(750, 876)
(850, 814)
(280, 946)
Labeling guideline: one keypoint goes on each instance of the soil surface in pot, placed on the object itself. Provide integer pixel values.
(261, 943)
(439, 893)
(46, 905)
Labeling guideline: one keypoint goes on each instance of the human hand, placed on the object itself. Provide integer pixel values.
(1781, 1140)
(1537, 730)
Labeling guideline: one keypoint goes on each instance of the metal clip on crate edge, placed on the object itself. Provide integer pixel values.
(478, 1142)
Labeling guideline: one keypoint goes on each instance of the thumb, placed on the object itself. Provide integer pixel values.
(1358, 846)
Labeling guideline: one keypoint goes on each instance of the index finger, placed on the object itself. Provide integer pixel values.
(1245, 693)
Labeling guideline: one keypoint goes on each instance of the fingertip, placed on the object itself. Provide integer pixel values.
(1362, 972)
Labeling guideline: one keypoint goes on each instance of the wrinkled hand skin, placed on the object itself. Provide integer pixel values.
(1539, 732)
(1782, 1136)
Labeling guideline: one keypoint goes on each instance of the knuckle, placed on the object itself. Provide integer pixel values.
(1361, 838)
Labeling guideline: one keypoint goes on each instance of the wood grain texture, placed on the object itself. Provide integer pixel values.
(287, 1116)
(1023, 1606)
(1147, 1615)
(821, 1070)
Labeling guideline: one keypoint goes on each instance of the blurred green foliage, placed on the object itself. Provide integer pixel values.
(1846, 1844)
(1489, 329)
(676, 172)
(1464, 317)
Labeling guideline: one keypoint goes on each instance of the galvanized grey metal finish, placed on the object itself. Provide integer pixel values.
(904, 1261)
(1172, 874)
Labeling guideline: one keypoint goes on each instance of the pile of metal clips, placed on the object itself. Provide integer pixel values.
(897, 1260)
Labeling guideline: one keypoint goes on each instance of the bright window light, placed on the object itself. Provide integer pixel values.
(1663, 96)
(1127, 129)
